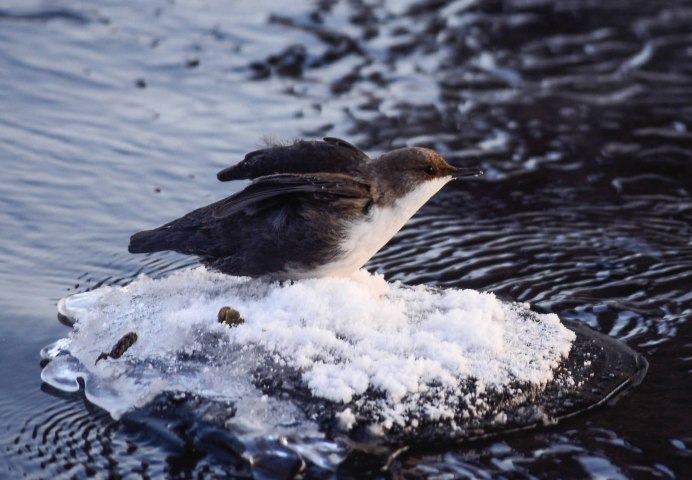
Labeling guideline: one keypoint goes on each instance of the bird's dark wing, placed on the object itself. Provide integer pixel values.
(331, 155)
(271, 201)
(267, 191)
(217, 229)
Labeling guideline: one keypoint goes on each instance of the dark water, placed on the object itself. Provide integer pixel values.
(115, 116)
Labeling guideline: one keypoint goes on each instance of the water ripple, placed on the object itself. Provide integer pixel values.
(579, 112)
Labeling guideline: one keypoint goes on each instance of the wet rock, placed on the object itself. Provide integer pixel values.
(191, 419)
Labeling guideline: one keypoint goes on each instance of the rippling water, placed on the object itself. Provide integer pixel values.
(115, 116)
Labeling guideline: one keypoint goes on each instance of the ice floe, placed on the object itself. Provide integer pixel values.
(386, 353)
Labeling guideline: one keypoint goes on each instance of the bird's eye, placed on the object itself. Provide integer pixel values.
(430, 170)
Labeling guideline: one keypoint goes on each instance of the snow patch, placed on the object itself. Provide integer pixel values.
(347, 338)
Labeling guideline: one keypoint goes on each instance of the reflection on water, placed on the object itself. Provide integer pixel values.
(116, 116)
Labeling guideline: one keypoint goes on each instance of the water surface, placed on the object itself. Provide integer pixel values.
(115, 117)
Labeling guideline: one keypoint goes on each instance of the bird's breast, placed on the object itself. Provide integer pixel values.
(365, 236)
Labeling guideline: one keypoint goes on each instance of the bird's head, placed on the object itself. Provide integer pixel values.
(405, 170)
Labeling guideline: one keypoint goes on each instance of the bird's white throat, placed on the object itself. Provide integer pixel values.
(367, 236)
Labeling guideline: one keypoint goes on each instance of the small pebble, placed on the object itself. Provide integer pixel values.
(120, 347)
(230, 316)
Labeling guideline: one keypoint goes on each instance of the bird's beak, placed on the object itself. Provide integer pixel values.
(457, 172)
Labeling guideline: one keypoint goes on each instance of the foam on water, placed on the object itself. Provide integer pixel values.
(359, 342)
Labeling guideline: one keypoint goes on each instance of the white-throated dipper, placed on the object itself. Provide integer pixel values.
(313, 209)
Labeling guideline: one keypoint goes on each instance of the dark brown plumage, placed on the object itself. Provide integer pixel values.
(331, 155)
(300, 210)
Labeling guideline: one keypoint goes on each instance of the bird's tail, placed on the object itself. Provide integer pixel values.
(152, 241)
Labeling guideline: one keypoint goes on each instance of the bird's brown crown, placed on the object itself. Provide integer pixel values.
(400, 171)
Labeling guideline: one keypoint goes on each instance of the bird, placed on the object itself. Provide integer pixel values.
(314, 208)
